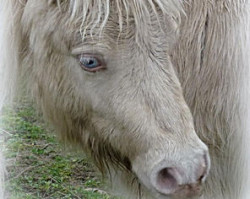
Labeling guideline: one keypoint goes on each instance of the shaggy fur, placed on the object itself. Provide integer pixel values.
(214, 74)
(162, 55)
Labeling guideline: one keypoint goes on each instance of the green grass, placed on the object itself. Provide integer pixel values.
(38, 166)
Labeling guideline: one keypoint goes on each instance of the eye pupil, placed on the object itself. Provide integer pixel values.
(91, 62)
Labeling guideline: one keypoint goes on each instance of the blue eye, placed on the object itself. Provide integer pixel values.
(90, 63)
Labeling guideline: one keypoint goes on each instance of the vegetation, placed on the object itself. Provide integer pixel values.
(38, 166)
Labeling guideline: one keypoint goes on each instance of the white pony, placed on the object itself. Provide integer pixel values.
(146, 87)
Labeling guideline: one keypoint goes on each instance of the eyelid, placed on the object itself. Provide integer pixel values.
(86, 49)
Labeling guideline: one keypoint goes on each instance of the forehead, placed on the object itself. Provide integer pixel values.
(137, 8)
(122, 18)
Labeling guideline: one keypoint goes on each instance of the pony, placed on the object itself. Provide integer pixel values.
(146, 88)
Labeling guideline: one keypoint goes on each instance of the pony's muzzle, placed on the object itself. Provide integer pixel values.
(183, 180)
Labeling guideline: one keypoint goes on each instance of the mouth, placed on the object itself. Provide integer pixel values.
(188, 191)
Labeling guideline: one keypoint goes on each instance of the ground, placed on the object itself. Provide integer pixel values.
(38, 165)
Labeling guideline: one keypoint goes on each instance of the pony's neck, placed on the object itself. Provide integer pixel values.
(212, 62)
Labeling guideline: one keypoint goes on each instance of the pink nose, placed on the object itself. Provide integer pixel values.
(179, 180)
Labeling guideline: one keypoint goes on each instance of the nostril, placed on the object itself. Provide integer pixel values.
(206, 167)
(201, 172)
(166, 180)
(203, 169)
(180, 178)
